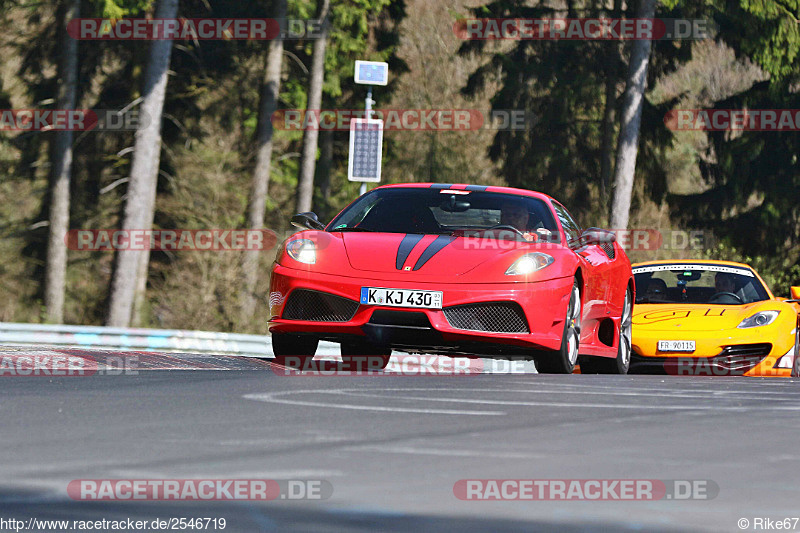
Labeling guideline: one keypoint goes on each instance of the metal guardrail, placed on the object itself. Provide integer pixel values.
(141, 339)
(164, 340)
(167, 340)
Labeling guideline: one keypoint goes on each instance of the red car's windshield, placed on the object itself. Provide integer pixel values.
(445, 211)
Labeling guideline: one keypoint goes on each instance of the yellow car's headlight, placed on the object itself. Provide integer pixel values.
(762, 318)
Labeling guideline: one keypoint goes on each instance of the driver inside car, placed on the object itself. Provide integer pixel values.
(516, 215)
(656, 290)
(724, 283)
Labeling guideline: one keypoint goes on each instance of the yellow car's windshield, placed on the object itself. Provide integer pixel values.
(697, 284)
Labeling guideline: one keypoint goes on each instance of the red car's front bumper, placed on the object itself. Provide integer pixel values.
(542, 303)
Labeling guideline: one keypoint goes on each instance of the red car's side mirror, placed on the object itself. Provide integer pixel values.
(307, 220)
(596, 236)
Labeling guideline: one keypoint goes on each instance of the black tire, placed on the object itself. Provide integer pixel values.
(286, 344)
(622, 362)
(364, 355)
(563, 360)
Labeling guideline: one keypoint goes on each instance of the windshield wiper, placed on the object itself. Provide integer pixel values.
(501, 230)
(352, 229)
(445, 232)
(648, 300)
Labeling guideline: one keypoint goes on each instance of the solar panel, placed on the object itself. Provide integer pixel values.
(366, 147)
(371, 72)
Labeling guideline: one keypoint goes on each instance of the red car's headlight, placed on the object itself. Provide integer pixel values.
(302, 250)
(529, 263)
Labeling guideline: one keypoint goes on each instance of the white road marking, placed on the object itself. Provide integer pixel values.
(445, 452)
(526, 403)
(380, 393)
(547, 388)
(271, 397)
(670, 394)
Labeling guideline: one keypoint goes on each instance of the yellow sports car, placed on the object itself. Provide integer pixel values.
(712, 318)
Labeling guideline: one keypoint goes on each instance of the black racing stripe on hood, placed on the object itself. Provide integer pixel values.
(433, 248)
(476, 188)
(406, 245)
(441, 185)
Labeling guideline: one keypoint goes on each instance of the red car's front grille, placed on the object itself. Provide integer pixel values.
(492, 317)
(316, 306)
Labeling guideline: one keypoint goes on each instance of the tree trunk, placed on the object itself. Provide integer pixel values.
(305, 181)
(131, 265)
(258, 200)
(61, 169)
(607, 142)
(609, 113)
(142, 267)
(627, 145)
(324, 174)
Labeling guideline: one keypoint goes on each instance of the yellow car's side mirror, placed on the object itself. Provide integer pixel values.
(795, 293)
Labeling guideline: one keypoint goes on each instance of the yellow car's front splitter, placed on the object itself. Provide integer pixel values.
(766, 351)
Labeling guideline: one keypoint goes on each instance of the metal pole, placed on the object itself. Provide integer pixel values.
(368, 107)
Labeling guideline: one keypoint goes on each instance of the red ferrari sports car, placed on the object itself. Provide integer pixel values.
(468, 270)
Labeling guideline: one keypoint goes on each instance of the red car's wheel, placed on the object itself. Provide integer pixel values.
(286, 344)
(563, 361)
(621, 363)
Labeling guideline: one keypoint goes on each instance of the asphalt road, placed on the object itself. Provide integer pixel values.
(392, 447)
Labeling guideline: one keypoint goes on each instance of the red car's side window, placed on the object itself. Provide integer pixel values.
(571, 228)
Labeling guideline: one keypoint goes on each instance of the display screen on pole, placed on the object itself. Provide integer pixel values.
(366, 146)
(372, 72)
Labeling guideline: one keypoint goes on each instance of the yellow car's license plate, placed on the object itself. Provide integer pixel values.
(676, 346)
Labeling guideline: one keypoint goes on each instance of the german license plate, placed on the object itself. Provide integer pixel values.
(401, 297)
(676, 346)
